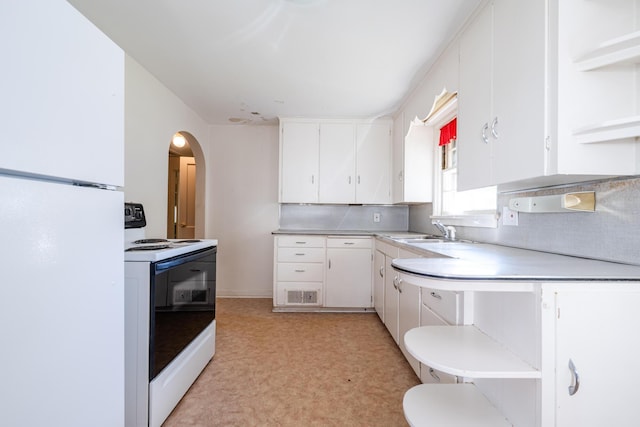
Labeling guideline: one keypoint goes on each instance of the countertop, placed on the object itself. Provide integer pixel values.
(480, 261)
(348, 233)
(463, 260)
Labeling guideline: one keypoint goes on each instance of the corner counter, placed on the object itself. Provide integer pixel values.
(536, 341)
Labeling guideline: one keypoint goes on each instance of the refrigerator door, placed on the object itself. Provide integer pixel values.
(62, 86)
(62, 315)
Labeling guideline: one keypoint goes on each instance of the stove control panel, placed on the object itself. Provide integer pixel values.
(134, 215)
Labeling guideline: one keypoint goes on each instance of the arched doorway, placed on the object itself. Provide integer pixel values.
(184, 180)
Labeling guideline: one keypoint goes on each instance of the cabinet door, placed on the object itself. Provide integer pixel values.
(597, 331)
(408, 318)
(390, 299)
(348, 280)
(474, 104)
(397, 164)
(373, 167)
(337, 163)
(378, 283)
(519, 35)
(299, 144)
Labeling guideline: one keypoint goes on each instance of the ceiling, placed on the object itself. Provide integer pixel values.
(251, 61)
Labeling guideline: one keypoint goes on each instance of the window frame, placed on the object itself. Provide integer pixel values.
(472, 218)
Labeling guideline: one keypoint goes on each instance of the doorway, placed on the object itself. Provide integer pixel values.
(181, 189)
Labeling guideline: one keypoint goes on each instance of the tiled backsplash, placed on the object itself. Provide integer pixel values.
(610, 233)
(343, 217)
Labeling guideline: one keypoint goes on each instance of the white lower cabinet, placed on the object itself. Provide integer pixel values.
(298, 270)
(408, 314)
(348, 281)
(320, 271)
(538, 354)
(378, 274)
(596, 357)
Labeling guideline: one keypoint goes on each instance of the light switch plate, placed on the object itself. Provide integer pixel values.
(509, 217)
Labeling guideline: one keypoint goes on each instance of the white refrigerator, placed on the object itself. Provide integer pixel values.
(61, 216)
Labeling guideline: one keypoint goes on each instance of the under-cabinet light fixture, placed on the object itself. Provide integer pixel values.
(584, 201)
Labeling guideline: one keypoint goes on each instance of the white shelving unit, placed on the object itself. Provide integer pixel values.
(465, 351)
(442, 405)
(618, 51)
(611, 130)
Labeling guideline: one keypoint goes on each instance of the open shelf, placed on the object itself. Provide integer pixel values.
(465, 351)
(450, 405)
(628, 127)
(621, 50)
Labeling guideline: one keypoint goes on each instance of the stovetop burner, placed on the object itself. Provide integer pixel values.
(143, 241)
(149, 247)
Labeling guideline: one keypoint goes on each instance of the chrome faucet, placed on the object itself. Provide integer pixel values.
(448, 231)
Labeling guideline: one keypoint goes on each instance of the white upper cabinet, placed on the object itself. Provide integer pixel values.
(535, 108)
(413, 152)
(335, 161)
(373, 165)
(475, 104)
(299, 153)
(501, 105)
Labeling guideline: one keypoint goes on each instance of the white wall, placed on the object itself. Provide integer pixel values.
(242, 208)
(152, 115)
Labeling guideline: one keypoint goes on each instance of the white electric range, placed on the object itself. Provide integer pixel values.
(170, 291)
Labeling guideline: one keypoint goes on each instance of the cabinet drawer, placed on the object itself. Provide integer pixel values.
(301, 254)
(445, 304)
(297, 241)
(360, 242)
(300, 272)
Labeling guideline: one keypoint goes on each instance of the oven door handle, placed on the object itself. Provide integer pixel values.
(182, 259)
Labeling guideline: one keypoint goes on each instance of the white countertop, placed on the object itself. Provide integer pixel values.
(479, 261)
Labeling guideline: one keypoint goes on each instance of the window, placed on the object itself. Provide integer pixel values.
(466, 208)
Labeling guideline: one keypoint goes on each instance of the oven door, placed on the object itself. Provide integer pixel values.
(183, 295)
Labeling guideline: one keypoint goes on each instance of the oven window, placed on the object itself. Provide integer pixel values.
(183, 306)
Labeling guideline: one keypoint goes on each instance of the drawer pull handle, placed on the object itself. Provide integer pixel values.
(433, 374)
(575, 379)
(300, 271)
(301, 243)
(436, 295)
(349, 243)
(299, 254)
(395, 282)
(381, 271)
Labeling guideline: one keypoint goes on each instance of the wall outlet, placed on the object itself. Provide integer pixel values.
(376, 217)
(509, 217)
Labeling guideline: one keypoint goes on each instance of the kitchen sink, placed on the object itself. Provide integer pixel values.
(425, 239)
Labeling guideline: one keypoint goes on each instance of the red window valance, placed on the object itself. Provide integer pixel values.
(449, 132)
